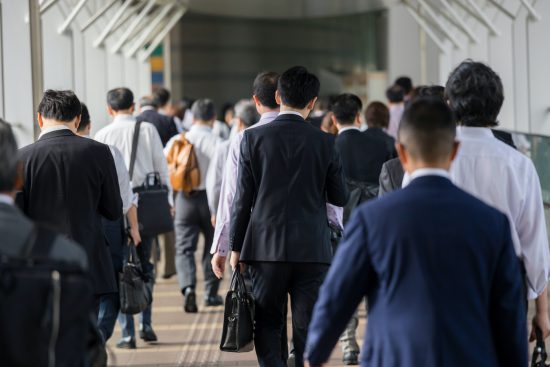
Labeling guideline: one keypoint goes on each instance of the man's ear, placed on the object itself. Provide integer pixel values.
(456, 147)
(110, 111)
(77, 121)
(403, 155)
(311, 104)
(256, 101)
(358, 120)
(133, 108)
(334, 122)
(39, 119)
(278, 97)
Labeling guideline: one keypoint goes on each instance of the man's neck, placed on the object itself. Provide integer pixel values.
(264, 109)
(203, 123)
(55, 124)
(304, 111)
(445, 166)
(122, 113)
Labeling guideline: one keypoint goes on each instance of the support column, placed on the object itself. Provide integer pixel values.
(35, 25)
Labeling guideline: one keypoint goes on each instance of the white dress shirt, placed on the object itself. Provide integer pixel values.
(214, 176)
(229, 188)
(127, 195)
(149, 154)
(396, 112)
(205, 144)
(506, 179)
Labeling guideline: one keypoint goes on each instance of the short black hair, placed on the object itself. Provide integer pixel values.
(346, 107)
(436, 91)
(475, 94)
(297, 87)
(120, 99)
(377, 115)
(161, 96)
(8, 157)
(60, 105)
(395, 94)
(427, 129)
(405, 83)
(203, 109)
(84, 118)
(264, 87)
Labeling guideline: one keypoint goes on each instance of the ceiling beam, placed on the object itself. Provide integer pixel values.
(442, 26)
(162, 34)
(145, 36)
(71, 16)
(425, 27)
(107, 30)
(97, 15)
(135, 23)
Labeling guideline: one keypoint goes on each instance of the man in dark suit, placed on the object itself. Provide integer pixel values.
(377, 117)
(70, 182)
(164, 124)
(362, 155)
(391, 177)
(288, 170)
(437, 266)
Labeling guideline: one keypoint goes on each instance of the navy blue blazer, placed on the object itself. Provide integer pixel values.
(443, 283)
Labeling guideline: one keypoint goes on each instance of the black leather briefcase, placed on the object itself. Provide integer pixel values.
(238, 320)
(154, 214)
(135, 286)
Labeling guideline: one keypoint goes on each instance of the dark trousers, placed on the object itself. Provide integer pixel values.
(109, 303)
(272, 282)
(192, 218)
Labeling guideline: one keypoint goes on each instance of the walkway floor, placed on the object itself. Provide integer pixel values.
(187, 340)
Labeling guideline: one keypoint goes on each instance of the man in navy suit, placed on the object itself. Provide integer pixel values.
(438, 267)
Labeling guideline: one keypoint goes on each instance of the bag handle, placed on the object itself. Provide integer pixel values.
(135, 253)
(133, 154)
(237, 282)
(539, 353)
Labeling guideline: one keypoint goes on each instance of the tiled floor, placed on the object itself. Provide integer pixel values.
(186, 339)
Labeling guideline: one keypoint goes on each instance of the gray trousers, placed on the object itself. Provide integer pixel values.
(192, 218)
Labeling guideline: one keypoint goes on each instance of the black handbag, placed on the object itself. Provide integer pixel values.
(153, 207)
(135, 285)
(539, 353)
(238, 318)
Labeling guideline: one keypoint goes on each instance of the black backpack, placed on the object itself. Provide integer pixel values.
(45, 308)
(359, 193)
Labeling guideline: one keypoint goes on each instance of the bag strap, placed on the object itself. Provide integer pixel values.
(539, 353)
(133, 154)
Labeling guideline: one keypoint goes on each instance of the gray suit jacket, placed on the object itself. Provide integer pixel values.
(391, 177)
(15, 230)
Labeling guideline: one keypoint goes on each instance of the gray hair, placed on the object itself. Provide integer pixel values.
(8, 157)
(245, 110)
(203, 109)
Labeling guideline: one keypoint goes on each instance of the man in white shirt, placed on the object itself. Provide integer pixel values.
(246, 115)
(193, 214)
(149, 158)
(499, 175)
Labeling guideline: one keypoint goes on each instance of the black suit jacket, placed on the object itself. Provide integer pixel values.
(379, 134)
(362, 155)
(288, 170)
(165, 124)
(70, 182)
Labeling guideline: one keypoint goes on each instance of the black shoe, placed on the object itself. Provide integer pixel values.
(168, 276)
(148, 335)
(351, 358)
(212, 301)
(126, 344)
(190, 303)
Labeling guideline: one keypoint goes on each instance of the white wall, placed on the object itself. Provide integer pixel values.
(520, 55)
(69, 62)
